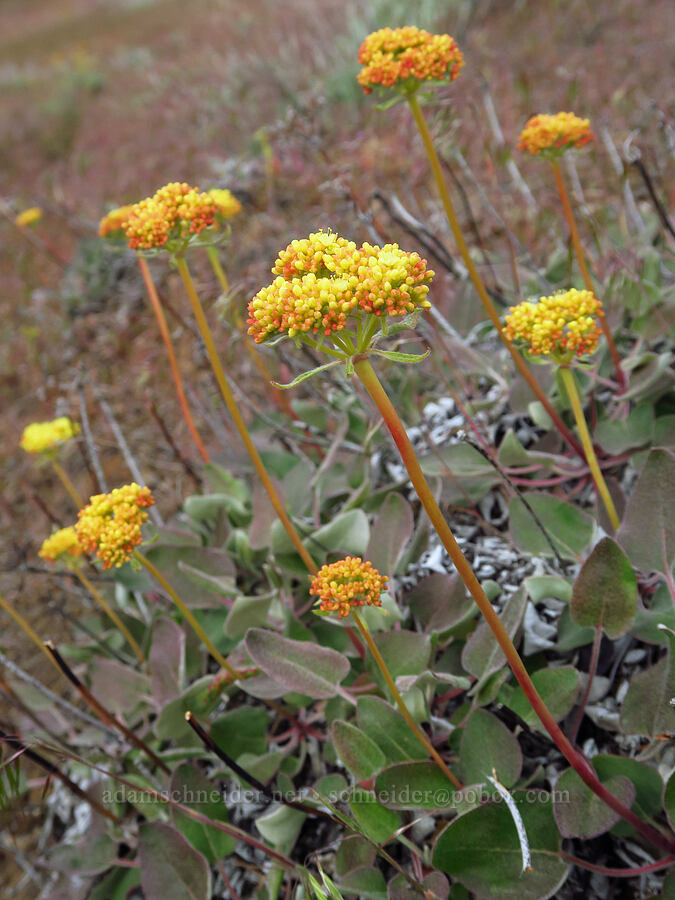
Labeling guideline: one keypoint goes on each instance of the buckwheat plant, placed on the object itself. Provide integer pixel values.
(63, 548)
(344, 587)
(401, 64)
(561, 328)
(550, 137)
(111, 527)
(339, 299)
(176, 218)
(46, 440)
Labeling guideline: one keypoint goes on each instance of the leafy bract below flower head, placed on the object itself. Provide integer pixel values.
(346, 584)
(404, 58)
(111, 524)
(551, 136)
(114, 223)
(561, 326)
(47, 437)
(325, 280)
(62, 546)
(170, 218)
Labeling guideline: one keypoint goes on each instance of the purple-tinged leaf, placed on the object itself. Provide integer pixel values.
(171, 869)
(297, 665)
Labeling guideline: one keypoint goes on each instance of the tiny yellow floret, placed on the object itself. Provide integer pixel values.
(110, 525)
(44, 437)
(405, 57)
(561, 326)
(62, 546)
(551, 136)
(28, 217)
(347, 584)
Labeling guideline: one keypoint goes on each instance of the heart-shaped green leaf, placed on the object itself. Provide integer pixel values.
(377, 822)
(197, 792)
(487, 745)
(481, 850)
(388, 729)
(298, 665)
(414, 785)
(357, 751)
(570, 529)
(605, 591)
(171, 869)
(580, 813)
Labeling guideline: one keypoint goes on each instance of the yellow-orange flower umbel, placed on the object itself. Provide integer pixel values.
(45, 437)
(349, 583)
(406, 57)
(62, 546)
(170, 217)
(115, 221)
(227, 205)
(111, 524)
(561, 326)
(324, 280)
(551, 136)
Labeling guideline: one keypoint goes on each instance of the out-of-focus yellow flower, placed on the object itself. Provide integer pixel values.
(561, 326)
(28, 217)
(406, 57)
(170, 218)
(111, 524)
(115, 221)
(44, 437)
(551, 136)
(326, 280)
(227, 205)
(62, 546)
(341, 586)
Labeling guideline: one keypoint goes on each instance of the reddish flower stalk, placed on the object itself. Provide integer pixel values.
(378, 395)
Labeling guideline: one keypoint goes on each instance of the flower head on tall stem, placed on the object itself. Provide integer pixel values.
(63, 546)
(327, 287)
(405, 58)
(561, 326)
(171, 219)
(551, 136)
(347, 584)
(47, 437)
(110, 525)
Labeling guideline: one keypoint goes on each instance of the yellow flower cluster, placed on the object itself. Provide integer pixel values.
(43, 437)
(348, 583)
(111, 524)
(404, 57)
(227, 205)
(328, 279)
(561, 326)
(551, 136)
(63, 545)
(115, 221)
(174, 212)
(28, 217)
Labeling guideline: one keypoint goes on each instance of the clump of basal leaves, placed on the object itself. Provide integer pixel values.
(314, 720)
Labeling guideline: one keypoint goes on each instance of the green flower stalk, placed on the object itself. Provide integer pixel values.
(405, 61)
(345, 586)
(550, 137)
(63, 547)
(561, 328)
(339, 299)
